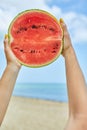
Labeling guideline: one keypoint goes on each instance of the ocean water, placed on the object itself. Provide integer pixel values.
(46, 91)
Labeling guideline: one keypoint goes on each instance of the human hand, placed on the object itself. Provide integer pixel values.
(10, 57)
(66, 39)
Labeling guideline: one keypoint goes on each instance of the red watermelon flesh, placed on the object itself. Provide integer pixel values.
(35, 37)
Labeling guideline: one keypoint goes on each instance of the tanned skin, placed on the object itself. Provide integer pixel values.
(8, 79)
(76, 86)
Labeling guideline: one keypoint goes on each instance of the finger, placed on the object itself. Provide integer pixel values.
(6, 36)
(64, 27)
(62, 23)
(6, 41)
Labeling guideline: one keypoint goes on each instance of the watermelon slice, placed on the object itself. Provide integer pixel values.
(36, 38)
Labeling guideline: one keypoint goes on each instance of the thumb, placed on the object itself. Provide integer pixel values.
(63, 25)
(5, 41)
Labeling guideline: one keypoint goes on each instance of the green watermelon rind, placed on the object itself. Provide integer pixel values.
(62, 40)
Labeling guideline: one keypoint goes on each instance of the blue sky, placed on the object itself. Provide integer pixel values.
(73, 12)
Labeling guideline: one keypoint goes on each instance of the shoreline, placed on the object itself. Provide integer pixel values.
(30, 114)
(39, 98)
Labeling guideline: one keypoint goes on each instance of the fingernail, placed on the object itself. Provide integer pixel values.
(61, 20)
(6, 36)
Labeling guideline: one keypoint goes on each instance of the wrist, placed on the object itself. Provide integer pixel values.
(67, 51)
(14, 67)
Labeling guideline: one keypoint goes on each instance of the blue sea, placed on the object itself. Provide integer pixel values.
(45, 91)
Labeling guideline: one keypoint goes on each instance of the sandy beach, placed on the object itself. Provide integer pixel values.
(35, 114)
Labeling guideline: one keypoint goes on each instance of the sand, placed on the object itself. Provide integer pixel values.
(34, 114)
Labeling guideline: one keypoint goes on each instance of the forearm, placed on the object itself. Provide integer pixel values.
(76, 83)
(7, 83)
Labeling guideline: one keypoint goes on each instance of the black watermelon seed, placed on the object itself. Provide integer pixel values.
(21, 29)
(54, 48)
(44, 49)
(21, 50)
(16, 48)
(54, 51)
(34, 27)
(52, 29)
(32, 51)
(18, 32)
(44, 26)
